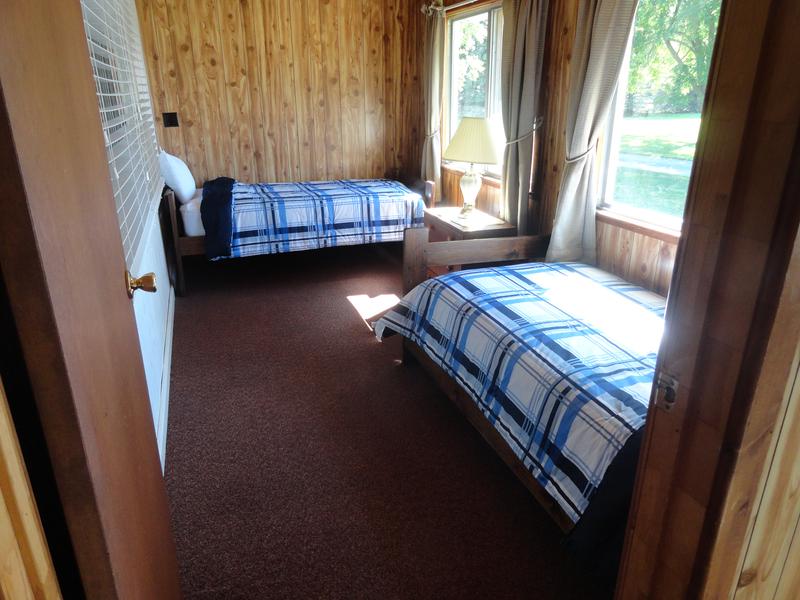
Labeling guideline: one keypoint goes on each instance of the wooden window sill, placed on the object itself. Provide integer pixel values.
(665, 234)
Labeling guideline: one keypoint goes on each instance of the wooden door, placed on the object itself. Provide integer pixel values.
(62, 260)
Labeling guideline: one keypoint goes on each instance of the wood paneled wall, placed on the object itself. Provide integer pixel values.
(639, 255)
(562, 19)
(282, 90)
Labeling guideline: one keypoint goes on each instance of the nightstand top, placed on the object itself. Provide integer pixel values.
(477, 221)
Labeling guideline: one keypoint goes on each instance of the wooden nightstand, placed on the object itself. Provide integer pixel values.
(444, 225)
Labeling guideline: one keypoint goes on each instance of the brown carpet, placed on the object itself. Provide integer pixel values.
(304, 462)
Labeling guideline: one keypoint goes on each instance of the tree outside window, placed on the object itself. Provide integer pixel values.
(473, 80)
(657, 116)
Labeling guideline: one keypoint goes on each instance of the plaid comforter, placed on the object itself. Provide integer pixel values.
(560, 358)
(268, 218)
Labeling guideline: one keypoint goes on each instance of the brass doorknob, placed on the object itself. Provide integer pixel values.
(146, 282)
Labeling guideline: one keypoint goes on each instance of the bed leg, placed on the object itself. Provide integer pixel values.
(407, 356)
(430, 194)
(180, 283)
(180, 280)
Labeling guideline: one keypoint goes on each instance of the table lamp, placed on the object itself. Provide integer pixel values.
(472, 143)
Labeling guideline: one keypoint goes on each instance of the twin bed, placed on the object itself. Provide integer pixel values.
(552, 362)
(243, 219)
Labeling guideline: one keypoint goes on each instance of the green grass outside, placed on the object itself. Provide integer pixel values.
(658, 192)
(666, 136)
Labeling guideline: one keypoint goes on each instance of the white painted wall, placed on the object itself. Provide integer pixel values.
(154, 318)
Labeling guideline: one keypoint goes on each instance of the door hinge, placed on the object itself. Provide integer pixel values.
(666, 391)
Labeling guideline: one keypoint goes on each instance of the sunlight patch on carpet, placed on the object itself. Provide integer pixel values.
(369, 308)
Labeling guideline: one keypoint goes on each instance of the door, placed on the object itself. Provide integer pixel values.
(62, 259)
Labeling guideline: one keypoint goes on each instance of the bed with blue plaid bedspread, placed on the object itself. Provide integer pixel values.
(270, 218)
(559, 357)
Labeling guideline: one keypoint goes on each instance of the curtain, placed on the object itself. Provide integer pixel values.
(524, 25)
(432, 91)
(600, 41)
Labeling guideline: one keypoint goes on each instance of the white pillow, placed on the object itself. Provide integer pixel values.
(177, 176)
(192, 219)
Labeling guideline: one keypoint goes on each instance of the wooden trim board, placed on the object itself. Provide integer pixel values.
(637, 226)
(27, 568)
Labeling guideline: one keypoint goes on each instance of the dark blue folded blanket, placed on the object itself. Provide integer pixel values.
(215, 211)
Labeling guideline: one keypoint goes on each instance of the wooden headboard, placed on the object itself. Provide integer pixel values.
(419, 254)
(183, 245)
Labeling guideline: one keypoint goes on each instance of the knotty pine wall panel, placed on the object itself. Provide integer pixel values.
(635, 256)
(557, 75)
(282, 90)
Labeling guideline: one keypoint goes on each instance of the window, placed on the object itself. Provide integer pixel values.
(474, 55)
(115, 50)
(656, 114)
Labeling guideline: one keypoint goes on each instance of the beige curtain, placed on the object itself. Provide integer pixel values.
(600, 41)
(524, 25)
(432, 91)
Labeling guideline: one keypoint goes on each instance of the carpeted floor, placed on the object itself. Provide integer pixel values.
(303, 461)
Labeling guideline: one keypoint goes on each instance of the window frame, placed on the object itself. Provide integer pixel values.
(447, 127)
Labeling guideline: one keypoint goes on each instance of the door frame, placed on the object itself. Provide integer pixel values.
(740, 225)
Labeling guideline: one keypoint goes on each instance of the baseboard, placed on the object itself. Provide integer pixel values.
(163, 413)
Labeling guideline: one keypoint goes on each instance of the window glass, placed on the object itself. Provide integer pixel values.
(474, 57)
(470, 66)
(656, 114)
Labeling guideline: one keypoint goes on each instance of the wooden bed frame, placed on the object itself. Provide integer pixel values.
(419, 256)
(182, 244)
(187, 245)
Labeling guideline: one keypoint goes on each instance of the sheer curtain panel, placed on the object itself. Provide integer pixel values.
(600, 40)
(525, 22)
(432, 86)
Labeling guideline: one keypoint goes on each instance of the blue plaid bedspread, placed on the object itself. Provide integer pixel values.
(559, 357)
(269, 218)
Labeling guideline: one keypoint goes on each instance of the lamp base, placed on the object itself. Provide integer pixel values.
(466, 212)
(470, 185)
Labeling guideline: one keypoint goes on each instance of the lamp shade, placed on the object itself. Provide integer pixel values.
(473, 143)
